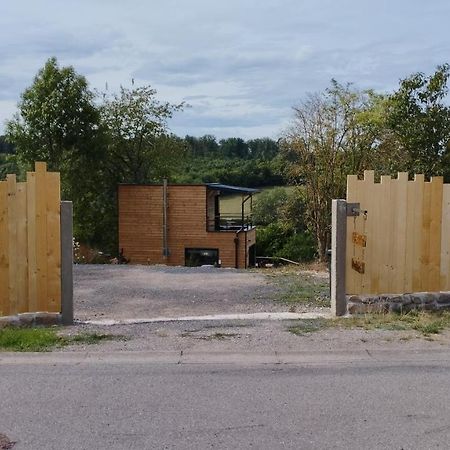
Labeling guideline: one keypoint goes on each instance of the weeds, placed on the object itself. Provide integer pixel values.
(426, 323)
(300, 287)
(44, 339)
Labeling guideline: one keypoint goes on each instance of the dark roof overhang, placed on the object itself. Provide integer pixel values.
(232, 189)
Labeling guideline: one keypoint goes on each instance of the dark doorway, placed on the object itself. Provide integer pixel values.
(201, 256)
(252, 256)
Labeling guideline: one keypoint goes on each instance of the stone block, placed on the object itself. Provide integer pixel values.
(395, 307)
(443, 297)
(47, 319)
(354, 299)
(357, 308)
(26, 319)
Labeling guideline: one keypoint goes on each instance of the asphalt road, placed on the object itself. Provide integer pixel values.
(165, 401)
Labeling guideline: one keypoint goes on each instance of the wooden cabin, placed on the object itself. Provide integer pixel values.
(179, 224)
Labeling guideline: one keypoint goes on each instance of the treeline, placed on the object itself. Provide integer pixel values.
(253, 163)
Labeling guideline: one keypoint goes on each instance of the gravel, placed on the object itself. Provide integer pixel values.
(127, 292)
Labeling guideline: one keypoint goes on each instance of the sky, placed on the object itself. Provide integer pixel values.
(241, 65)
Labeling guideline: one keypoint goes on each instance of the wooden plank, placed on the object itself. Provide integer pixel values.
(399, 213)
(384, 240)
(31, 235)
(435, 233)
(12, 243)
(445, 240)
(418, 198)
(4, 250)
(409, 237)
(22, 248)
(350, 274)
(366, 219)
(41, 237)
(425, 247)
(375, 237)
(53, 242)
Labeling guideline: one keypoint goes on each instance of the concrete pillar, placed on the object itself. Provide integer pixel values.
(338, 249)
(67, 263)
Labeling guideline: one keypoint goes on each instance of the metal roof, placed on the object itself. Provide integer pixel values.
(232, 189)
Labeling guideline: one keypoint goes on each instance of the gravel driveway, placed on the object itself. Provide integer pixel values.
(127, 292)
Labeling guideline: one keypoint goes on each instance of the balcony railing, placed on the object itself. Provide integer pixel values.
(229, 222)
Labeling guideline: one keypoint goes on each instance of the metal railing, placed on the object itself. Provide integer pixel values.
(229, 222)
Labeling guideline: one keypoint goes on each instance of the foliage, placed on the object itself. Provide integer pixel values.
(57, 120)
(44, 339)
(139, 147)
(268, 205)
(234, 171)
(276, 240)
(94, 143)
(280, 216)
(417, 122)
(329, 139)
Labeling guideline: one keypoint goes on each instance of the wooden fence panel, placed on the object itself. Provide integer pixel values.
(30, 243)
(400, 242)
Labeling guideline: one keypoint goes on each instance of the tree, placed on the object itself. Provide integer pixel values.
(328, 139)
(234, 148)
(416, 123)
(140, 148)
(57, 121)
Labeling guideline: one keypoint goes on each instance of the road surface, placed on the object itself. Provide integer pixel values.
(144, 400)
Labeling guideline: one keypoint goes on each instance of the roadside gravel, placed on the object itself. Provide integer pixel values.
(263, 336)
(126, 292)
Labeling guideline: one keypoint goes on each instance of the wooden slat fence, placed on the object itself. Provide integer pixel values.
(400, 242)
(30, 243)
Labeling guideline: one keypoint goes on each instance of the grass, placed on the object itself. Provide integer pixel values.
(44, 339)
(426, 323)
(298, 287)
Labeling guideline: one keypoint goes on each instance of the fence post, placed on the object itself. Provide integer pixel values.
(338, 248)
(67, 263)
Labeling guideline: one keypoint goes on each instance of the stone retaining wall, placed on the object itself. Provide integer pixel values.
(31, 320)
(429, 301)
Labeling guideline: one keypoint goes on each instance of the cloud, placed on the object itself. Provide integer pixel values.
(241, 65)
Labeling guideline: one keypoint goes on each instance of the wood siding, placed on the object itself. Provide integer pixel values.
(400, 243)
(30, 243)
(141, 226)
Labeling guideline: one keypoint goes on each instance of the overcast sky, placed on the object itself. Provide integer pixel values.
(240, 64)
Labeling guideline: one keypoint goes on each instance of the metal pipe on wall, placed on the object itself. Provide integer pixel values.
(165, 230)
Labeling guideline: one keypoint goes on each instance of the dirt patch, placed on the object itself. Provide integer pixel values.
(5, 442)
(120, 292)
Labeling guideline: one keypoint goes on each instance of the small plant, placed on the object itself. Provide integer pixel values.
(45, 339)
(302, 327)
(78, 257)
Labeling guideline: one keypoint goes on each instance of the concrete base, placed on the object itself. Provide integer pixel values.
(427, 301)
(31, 320)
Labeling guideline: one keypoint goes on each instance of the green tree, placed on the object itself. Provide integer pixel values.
(57, 121)
(416, 121)
(329, 138)
(140, 148)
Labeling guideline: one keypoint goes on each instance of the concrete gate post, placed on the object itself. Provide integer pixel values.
(67, 263)
(338, 257)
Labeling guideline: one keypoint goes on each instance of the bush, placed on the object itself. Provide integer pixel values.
(298, 247)
(275, 240)
(268, 205)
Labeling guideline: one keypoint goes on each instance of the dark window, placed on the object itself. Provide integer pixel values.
(201, 256)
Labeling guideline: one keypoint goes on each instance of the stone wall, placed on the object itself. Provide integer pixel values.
(31, 320)
(429, 301)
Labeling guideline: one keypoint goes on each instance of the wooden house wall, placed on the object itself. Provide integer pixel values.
(141, 226)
